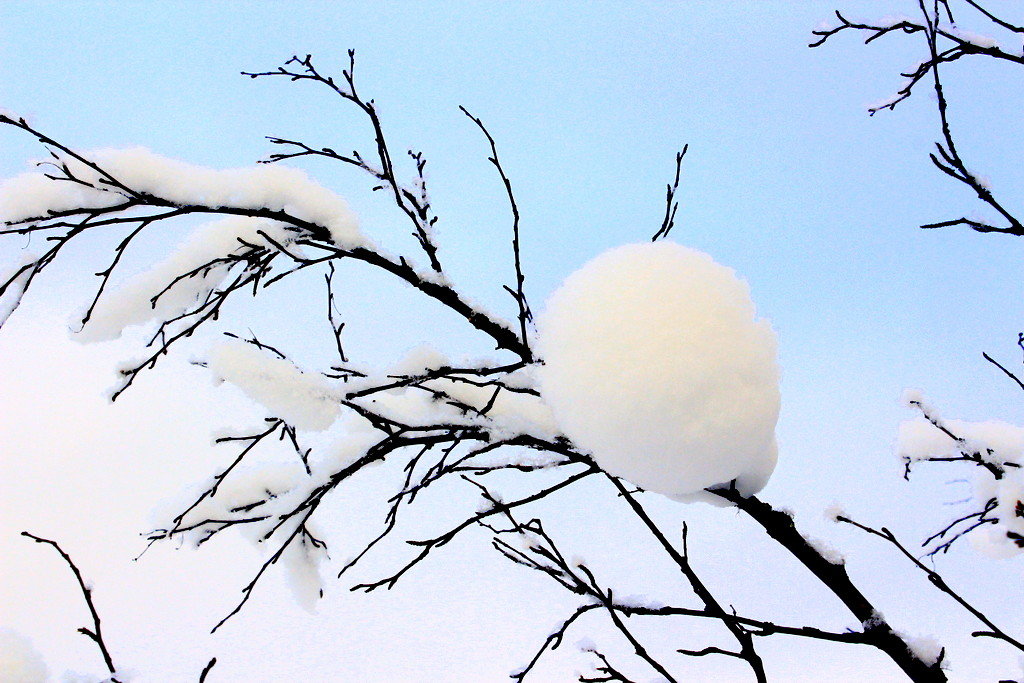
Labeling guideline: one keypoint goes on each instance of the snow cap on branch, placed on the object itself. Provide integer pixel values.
(1000, 532)
(303, 400)
(273, 187)
(656, 363)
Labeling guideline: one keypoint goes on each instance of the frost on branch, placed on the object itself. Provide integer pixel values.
(656, 364)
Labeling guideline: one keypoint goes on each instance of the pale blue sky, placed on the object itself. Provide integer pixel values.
(787, 180)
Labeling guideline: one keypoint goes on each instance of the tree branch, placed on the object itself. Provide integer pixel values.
(95, 634)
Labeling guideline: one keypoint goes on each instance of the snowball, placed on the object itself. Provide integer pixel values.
(656, 364)
(19, 660)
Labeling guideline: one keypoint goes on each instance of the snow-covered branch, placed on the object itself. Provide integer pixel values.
(946, 43)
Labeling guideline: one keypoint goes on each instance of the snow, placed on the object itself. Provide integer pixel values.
(914, 398)
(133, 303)
(890, 20)
(993, 540)
(19, 660)
(305, 401)
(833, 512)
(874, 621)
(976, 39)
(925, 648)
(825, 549)
(919, 439)
(32, 195)
(277, 484)
(884, 102)
(356, 439)
(419, 360)
(501, 404)
(510, 413)
(586, 645)
(995, 442)
(302, 563)
(249, 484)
(656, 364)
(273, 187)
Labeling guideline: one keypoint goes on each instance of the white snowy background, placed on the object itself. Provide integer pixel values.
(787, 181)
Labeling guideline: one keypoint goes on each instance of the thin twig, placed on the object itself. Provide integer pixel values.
(95, 634)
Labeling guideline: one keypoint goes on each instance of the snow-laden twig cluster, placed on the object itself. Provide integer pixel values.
(709, 365)
(996, 449)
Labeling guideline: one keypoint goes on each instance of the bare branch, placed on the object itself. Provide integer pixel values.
(878, 632)
(95, 634)
(525, 315)
(671, 203)
(1005, 371)
(937, 581)
(415, 205)
(702, 592)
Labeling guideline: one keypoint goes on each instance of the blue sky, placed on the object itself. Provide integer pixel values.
(787, 180)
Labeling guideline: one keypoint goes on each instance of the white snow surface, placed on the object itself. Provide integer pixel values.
(499, 403)
(828, 551)
(19, 660)
(303, 400)
(925, 648)
(656, 363)
(265, 186)
(302, 561)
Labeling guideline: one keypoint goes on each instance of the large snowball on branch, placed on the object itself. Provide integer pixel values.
(656, 364)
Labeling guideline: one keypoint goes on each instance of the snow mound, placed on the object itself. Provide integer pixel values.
(656, 363)
(19, 660)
